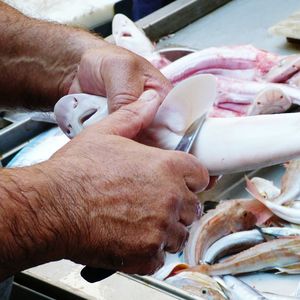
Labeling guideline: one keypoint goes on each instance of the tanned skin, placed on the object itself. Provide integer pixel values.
(103, 200)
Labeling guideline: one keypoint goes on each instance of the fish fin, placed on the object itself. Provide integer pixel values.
(178, 269)
(203, 268)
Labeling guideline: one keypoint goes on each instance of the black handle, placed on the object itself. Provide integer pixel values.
(94, 274)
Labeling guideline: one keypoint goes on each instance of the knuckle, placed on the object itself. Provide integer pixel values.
(172, 201)
(118, 101)
(153, 264)
(192, 199)
(155, 243)
(131, 61)
(163, 224)
(131, 114)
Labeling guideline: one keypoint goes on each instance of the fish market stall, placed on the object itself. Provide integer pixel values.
(237, 22)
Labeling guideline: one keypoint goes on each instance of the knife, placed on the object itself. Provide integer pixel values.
(185, 145)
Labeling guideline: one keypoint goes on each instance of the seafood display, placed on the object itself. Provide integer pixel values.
(242, 240)
(247, 90)
(241, 85)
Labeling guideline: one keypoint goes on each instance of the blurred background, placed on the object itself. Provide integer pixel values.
(91, 14)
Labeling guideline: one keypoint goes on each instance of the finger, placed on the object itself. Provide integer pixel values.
(127, 83)
(195, 174)
(129, 120)
(123, 79)
(145, 265)
(190, 210)
(177, 237)
(212, 181)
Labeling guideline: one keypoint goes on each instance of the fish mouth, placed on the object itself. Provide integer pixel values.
(87, 115)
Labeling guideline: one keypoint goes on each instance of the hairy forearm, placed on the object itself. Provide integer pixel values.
(30, 222)
(38, 60)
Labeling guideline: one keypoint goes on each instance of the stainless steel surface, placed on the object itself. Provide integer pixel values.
(238, 22)
(17, 133)
(177, 15)
(187, 141)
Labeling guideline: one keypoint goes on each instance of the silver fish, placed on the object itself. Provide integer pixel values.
(229, 216)
(273, 254)
(240, 290)
(245, 239)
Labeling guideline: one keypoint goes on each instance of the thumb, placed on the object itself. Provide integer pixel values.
(130, 119)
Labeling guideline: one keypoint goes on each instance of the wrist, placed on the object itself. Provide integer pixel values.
(31, 221)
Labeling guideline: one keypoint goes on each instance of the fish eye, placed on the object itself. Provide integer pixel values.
(204, 291)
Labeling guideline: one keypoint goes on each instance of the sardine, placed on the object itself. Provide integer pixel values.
(269, 255)
(242, 240)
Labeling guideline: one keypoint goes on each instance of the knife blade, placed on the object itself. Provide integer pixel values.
(187, 141)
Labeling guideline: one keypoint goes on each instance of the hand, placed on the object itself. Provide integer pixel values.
(122, 203)
(119, 74)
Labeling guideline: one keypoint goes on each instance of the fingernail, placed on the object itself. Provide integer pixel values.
(149, 95)
(199, 210)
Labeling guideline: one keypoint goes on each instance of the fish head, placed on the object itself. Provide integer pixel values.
(270, 100)
(198, 284)
(75, 112)
(127, 35)
(265, 187)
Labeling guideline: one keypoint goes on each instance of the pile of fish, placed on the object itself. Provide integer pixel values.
(236, 236)
(254, 85)
(244, 130)
(241, 236)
